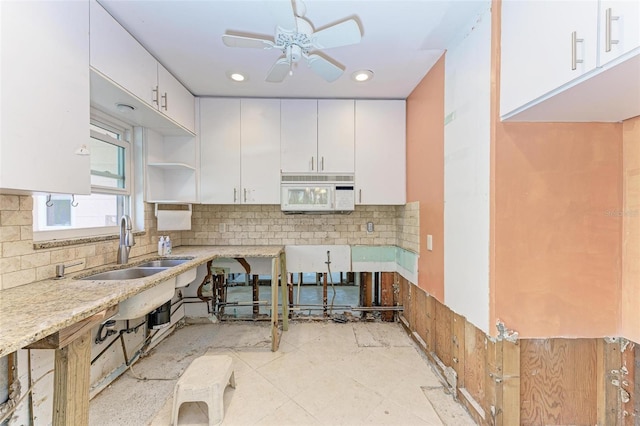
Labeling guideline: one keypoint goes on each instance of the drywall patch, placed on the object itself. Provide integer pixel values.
(505, 333)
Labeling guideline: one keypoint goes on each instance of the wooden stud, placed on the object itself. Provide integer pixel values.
(628, 384)
(256, 295)
(387, 280)
(366, 283)
(71, 382)
(290, 289)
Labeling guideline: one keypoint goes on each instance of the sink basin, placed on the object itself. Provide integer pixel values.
(125, 274)
(145, 302)
(163, 263)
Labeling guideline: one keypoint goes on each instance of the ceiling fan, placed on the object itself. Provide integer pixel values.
(296, 38)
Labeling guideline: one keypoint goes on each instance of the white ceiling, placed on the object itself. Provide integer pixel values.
(401, 40)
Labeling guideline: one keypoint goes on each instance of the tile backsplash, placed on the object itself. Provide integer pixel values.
(266, 225)
(22, 262)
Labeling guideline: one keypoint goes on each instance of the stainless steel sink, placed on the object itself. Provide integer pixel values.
(125, 274)
(163, 263)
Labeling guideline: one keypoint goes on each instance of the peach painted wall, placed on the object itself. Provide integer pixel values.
(631, 230)
(557, 233)
(425, 173)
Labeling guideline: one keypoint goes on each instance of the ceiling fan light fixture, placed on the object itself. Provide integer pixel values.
(237, 77)
(362, 75)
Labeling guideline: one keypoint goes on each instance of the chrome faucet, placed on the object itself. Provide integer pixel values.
(126, 239)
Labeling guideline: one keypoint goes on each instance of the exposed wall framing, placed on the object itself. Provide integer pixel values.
(507, 381)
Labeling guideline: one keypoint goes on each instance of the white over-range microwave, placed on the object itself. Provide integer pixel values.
(317, 193)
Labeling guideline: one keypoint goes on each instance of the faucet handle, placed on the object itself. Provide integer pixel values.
(60, 268)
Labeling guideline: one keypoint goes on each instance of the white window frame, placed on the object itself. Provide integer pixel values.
(108, 122)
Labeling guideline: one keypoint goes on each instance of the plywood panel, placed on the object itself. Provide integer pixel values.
(475, 361)
(558, 381)
(458, 354)
(431, 322)
(420, 314)
(443, 333)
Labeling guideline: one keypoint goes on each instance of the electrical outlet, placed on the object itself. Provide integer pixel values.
(369, 227)
(222, 227)
(430, 242)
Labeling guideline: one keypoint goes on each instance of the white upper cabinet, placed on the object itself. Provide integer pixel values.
(239, 151)
(219, 151)
(119, 57)
(299, 135)
(570, 60)
(317, 136)
(545, 44)
(175, 100)
(380, 171)
(45, 96)
(260, 151)
(619, 28)
(336, 135)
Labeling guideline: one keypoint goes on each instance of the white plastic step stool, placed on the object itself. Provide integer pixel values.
(204, 380)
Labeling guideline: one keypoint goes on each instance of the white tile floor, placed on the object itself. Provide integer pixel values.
(323, 374)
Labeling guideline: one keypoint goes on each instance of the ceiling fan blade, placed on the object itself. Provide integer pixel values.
(240, 41)
(282, 12)
(278, 71)
(342, 34)
(325, 69)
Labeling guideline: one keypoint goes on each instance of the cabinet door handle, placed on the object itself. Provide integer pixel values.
(245, 195)
(166, 101)
(155, 95)
(359, 195)
(312, 163)
(235, 195)
(322, 163)
(574, 50)
(607, 33)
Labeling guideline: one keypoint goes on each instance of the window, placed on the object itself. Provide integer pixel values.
(68, 216)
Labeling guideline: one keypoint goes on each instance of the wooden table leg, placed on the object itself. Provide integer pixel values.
(71, 382)
(284, 284)
(275, 337)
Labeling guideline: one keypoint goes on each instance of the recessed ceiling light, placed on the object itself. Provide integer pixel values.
(362, 76)
(235, 76)
(125, 108)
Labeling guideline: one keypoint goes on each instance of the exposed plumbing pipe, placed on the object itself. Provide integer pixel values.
(328, 262)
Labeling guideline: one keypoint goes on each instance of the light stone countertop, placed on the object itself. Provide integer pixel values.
(33, 311)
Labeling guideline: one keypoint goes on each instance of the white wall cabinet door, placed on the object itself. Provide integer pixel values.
(619, 28)
(117, 55)
(45, 96)
(175, 100)
(299, 135)
(539, 54)
(260, 148)
(220, 151)
(336, 140)
(380, 161)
